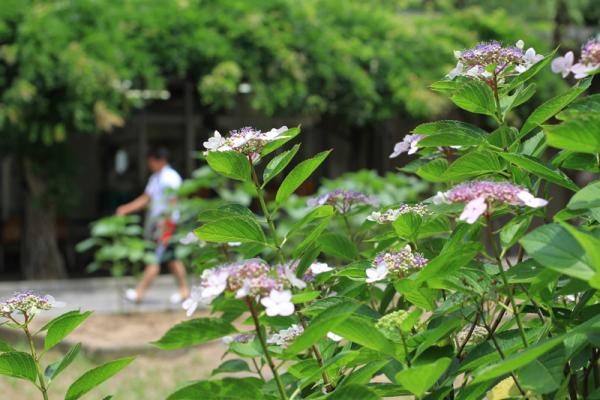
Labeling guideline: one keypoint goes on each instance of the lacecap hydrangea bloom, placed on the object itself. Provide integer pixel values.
(397, 263)
(241, 338)
(248, 141)
(249, 278)
(408, 145)
(478, 335)
(393, 213)
(588, 64)
(286, 336)
(480, 195)
(27, 302)
(490, 59)
(343, 200)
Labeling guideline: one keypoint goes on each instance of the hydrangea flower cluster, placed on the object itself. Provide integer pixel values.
(489, 58)
(391, 324)
(408, 145)
(241, 338)
(28, 303)
(286, 336)
(478, 196)
(248, 141)
(478, 335)
(393, 213)
(588, 63)
(342, 200)
(249, 278)
(400, 263)
(315, 269)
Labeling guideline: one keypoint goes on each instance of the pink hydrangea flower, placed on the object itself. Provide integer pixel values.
(479, 195)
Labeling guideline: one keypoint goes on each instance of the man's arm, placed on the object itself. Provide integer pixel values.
(134, 205)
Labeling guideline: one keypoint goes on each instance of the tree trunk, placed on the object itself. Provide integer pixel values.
(41, 258)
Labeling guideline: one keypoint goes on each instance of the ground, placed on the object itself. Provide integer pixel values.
(149, 377)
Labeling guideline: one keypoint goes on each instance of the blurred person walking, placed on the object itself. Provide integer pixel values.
(159, 224)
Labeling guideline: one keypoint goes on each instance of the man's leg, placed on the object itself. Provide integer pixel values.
(150, 273)
(178, 270)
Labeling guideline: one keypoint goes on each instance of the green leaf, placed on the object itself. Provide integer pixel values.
(56, 368)
(278, 164)
(337, 245)
(579, 134)
(585, 105)
(193, 332)
(320, 212)
(18, 365)
(230, 164)
(517, 360)
(521, 95)
(473, 164)
(419, 379)
(298, 175)
(274, 145)
(225, 389)
(535, 167)
(553, 247)
(450, 133)
(545, 374)
(586, 198)
(514, 230)
(5, 347)
(353, 392)
(232, 229)
(361, 330)
(433, 170)
(530, 73)
(95, 377)
(407, 225)
(230, 366)
(224, 211)
(61, 326)
(476, 97)
(321, 324)
(553, 106)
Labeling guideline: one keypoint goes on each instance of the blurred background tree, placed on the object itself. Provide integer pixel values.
(68, 68)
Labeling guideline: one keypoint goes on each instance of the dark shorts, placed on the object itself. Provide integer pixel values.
(165, 255)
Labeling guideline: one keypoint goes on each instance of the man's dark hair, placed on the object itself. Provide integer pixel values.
(159, 153)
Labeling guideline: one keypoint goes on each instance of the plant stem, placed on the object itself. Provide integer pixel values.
(42, 386)
(258, 369)
(504, 278)
(326, 382)
(263, 344)
(497, 100)
(501, 353)
(277, 242)
(406, 357)
(464, 344)
(265, 210)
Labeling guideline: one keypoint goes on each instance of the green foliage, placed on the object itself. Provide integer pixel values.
(194, 332)
(504, 300)
(120, 246)
(95, 377)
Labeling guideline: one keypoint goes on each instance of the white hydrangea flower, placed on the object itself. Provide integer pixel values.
(334, 337)
(278, 303)
(376, 274)
(563, 65)
(319, 268)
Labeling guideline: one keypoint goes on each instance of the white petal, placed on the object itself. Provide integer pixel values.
(473, 210)
(530, 200)
(520, 44)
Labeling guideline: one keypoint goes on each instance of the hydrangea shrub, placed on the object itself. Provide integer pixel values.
(17, 312)
(477, 291)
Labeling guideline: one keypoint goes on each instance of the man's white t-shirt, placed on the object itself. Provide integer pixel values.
(160, 190)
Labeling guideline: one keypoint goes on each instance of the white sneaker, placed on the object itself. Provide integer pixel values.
(131, 295)
(175, 298)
